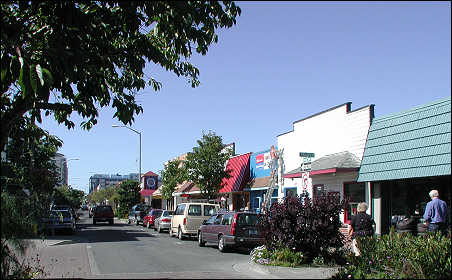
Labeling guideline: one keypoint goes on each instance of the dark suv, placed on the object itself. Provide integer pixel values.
(103, 213)
(231, 229)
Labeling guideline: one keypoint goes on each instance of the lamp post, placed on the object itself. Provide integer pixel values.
(139, 133)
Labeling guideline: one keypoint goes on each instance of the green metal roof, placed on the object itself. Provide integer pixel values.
(409, 144)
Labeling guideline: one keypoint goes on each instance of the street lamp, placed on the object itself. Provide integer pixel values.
(139, 133)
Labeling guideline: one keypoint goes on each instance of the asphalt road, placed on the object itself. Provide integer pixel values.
(130, 251)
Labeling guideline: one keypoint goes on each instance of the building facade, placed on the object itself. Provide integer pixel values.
(100, 181)
(323, 152)
(61, 169)
(407, 154)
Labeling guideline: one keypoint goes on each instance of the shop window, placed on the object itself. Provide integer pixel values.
(318, 190)
(356, 193)
(290, 192)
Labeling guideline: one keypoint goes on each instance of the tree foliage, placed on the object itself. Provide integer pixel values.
(206, 164)
(173, 174)
(109, 193)
(70, 56)
(64, 195)
(129, 195)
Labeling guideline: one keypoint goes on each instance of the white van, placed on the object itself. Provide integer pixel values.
(188, 217)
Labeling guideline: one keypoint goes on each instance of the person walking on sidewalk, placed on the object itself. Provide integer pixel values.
(361, 224)
(436, 213)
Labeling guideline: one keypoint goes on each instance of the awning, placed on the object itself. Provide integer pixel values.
(410, 144)
(260, 182)
(146, 192)
(334, 163)
(158, 193)
(240, 172)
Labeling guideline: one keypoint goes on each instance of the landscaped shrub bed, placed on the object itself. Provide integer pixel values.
(395, 256)
(299, 230)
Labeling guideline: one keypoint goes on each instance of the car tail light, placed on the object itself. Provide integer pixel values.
(185, 221)
(233, 225)
(166, 220)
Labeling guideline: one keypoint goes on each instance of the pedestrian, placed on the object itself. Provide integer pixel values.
(361, 224)
(436, 213)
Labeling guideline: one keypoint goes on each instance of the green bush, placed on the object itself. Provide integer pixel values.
(400, 256)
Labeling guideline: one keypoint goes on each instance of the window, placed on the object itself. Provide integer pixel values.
(227, 219)
(180, 209)
(318, 190)
(247, 220)
(167, 213)
(194, 210)
(290, 192)
(218, 220)
(209, 210)
(356, 194)
(211, 220)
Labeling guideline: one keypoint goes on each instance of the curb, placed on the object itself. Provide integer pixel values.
(295, 273)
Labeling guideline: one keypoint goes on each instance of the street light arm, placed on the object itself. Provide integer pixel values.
(128, 128)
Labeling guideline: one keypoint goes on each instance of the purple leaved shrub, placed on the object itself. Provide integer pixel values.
(305, 225)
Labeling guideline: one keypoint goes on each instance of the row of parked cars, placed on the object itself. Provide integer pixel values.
(205, 221)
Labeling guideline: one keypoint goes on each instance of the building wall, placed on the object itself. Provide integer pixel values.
(61, 169)
(335, 130)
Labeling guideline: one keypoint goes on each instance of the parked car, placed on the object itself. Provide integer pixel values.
(164, 221)
(188, 217)
(103, 213)
(85, 207)
(149, 219)
(137, 213)
(66, 207)
(231, 229)
(60, 220)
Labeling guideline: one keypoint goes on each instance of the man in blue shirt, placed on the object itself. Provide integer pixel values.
(436, 213)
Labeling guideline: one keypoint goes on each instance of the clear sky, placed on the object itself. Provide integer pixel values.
(282, 62)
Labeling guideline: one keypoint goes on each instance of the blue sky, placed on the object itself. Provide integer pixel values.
(282, 62)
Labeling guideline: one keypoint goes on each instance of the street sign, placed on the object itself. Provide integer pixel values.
(306, 161)
(307, 155)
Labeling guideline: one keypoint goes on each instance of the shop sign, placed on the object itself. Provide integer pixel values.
(185, 195)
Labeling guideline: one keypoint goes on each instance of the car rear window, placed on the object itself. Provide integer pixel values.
(209, 210)
(247, 219)
(104, 209)
(167, 213)
(194, 210)
(65, 214)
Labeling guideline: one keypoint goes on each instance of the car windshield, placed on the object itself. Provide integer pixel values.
(65, 214)
(247, 220)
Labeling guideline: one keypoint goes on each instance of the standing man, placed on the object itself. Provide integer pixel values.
(436, 213)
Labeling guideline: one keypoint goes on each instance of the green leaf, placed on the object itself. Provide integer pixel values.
(33, 79)
(49, 76)
(39, 72)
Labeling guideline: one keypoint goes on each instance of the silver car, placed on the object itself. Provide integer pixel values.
(164, 221)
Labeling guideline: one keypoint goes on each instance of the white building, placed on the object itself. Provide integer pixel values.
(337, 138)
(61, 169)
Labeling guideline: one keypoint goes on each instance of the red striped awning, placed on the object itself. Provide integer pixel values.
(240, 173)
(145, 192)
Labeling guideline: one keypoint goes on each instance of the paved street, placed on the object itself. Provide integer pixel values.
(130, 251)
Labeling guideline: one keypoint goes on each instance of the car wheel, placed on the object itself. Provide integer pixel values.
(128, 221)
(136, 221)
(111, 222)
(201, 243)
(94, 222)
(179, 234)
(221, 244)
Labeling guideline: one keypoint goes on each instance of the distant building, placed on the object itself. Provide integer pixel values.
(61, 169)
(100, 181)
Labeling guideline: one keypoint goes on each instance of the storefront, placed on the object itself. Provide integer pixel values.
(149, 184)
(259, 179)
(322, 154)
(407, 155)
(235, 196)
